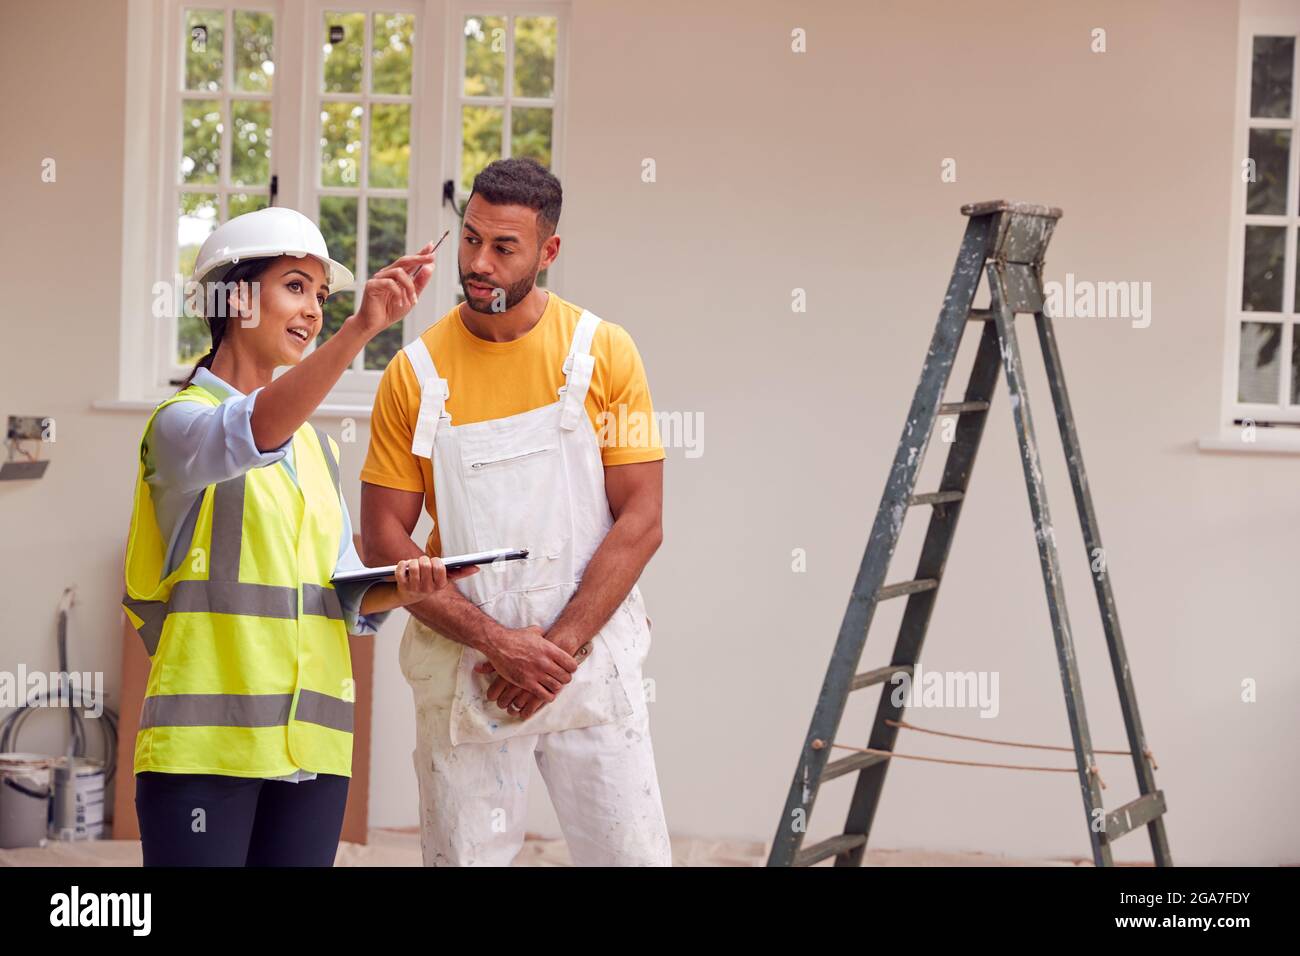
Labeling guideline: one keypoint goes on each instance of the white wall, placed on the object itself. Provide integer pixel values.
(820, 172)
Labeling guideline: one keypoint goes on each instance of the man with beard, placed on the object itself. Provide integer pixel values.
(490, 422)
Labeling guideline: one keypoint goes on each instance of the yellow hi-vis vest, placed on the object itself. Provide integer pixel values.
(250, 673)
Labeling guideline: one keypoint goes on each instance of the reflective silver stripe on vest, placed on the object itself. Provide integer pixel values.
(317, 708)
(317, 599)
(227, 529)
(152, 613)
(186, 533)
(216, 710)
(329, 458)
(233, 597)
(223, 592)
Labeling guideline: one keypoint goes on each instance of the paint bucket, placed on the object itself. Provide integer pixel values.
(77, 800)
(24, 799)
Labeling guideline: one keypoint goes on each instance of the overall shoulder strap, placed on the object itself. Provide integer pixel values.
(582, 336)
(578, 366)
(433, 397)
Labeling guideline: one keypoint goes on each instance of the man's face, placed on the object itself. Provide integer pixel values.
(499, 257)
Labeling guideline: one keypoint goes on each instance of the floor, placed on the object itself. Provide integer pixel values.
(402, 848)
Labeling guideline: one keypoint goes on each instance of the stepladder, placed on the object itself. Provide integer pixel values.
(1005, 244)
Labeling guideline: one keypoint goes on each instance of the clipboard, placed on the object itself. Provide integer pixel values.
(387, 574)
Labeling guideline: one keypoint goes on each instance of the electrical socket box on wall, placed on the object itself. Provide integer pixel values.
(24, 428)
(27, 427)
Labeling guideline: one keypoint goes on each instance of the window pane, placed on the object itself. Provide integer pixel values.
(1257, 371)
(381, 349)
(204, 40)
(340, 144)
(344, 59)
(394, 39)
(337, 308)
(254, 52)
(535, 56)
(1270, 76)
(239, 203)
(485, 56)
(201, 141)
(338, 224)
(1271, 151)
(481, 141)
(530, 133)
(385, 241)
(385, 232)
(197, 217)
(390, 144)
(1261, 289)
(250, 142)
(1295, 367)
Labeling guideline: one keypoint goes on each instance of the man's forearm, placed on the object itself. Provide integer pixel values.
(447, 611)
(453, 615)
(607, 580)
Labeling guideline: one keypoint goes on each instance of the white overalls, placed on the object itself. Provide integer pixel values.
(533, 480)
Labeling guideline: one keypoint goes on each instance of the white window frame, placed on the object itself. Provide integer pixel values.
(175, 96)
(358, 384)
(455, 60)
(152, 150)
(1233, 411)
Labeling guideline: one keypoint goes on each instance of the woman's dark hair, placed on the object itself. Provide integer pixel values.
(216, 305)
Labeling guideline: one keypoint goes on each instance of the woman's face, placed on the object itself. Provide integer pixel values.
(288, 315)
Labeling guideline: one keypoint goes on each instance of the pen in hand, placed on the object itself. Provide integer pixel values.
(416, 271)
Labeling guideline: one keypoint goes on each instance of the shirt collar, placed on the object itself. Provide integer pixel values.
(217, 386)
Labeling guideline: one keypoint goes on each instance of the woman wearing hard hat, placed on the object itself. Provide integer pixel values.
(245, 743)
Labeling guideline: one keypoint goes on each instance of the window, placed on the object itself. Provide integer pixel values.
(1262, 374)
(507, 97)
(371, 116)
(224, 132)
(364, 95)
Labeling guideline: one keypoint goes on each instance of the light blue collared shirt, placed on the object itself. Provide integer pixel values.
(192, 445)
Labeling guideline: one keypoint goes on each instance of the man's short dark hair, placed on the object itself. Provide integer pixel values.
(523, 182)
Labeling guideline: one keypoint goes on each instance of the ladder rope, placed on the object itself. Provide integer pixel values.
(970, 763)
(1014, 743)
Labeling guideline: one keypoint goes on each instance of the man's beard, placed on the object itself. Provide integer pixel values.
(514, 295)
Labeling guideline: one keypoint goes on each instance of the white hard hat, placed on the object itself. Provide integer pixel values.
(266, 233)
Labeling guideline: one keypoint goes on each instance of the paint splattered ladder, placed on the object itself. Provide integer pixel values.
(1006, 242)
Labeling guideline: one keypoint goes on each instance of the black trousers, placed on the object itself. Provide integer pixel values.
(196, 819)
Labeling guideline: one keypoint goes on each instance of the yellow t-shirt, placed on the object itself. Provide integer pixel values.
(497, 379)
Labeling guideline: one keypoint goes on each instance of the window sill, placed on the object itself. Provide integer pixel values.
(324, 411)
(1232, 443)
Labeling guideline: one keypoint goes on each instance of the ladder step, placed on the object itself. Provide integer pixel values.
(828, 848)
(1135, 814)
(961, 408)
(906, 587)
(937, 497)
(878, 676)
(980, 315)
(854, 761)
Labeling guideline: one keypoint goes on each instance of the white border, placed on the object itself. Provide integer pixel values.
(152, 134)
(1229, 437)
